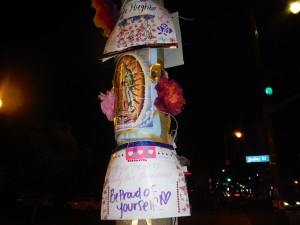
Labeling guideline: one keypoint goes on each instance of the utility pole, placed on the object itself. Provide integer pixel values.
(267, 109)
(144, 183)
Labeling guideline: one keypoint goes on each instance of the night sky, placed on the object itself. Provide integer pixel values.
(50, 57)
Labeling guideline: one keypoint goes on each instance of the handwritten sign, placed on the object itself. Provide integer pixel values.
(154, 188)
(141, 24)
(138, 201)
(139, 8)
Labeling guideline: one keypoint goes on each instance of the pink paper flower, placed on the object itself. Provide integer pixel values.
(108, 104)
(170, 96)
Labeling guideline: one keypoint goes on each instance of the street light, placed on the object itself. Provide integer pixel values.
(236, 134)
(294, 7)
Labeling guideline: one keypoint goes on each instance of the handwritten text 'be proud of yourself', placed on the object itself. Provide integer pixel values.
(139, 200)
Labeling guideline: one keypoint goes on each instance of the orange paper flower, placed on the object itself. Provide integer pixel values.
(170, 97)
(106, 15)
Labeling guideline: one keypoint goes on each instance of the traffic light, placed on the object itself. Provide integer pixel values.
(268, 90)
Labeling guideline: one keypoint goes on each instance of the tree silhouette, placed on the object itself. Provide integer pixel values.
(46, 156)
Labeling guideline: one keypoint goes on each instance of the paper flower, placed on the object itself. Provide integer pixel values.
(108, 104)
(170, 96)
(106, 15)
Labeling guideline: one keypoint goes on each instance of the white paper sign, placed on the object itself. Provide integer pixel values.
(144, 188)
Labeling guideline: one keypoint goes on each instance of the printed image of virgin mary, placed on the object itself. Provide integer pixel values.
(128, 83)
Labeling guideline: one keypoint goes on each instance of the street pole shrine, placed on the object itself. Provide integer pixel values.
(144, 181)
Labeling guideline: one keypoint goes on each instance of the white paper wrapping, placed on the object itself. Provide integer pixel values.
(144, 180)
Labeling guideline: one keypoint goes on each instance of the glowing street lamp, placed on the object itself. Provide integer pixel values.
(237, 134)
(294, 7)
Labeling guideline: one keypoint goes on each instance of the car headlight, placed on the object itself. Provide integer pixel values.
(286, 203)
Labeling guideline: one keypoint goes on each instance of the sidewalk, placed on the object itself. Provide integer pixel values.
(241, 218)
(215, 218)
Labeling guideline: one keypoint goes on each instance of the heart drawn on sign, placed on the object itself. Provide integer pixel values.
(165, 196)
(140, 152)
(150, 151)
